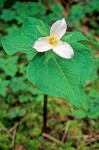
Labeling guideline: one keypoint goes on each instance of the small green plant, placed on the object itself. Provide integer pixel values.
(63, 76)
(44, 67)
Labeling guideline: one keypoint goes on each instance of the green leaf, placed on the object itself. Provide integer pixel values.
(94, 115)
(43, 31)
(48, 55)
(73, 37)
(28, 9)
(22, 112)
(2, 3)
(78, 114)
(18, 84)
(55, 77)
(88, 43)
(3, 87)
(9, 65)
(95, 66)
(83, 58)
(61, 77)
(85, 105)
(24, 39)
(8, 15)
(16, 112)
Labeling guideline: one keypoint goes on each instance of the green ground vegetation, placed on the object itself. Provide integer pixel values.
(21, 104)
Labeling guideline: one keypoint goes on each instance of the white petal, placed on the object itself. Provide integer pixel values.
(64, 50)
(42, 44)
(58, 28)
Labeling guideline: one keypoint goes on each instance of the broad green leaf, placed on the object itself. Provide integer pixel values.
(61, 77)
(90, 44)
(43, 31)
(57, 77)
(24, 39)
(73, 37)
(67, 36)
(83, 58)
(48, 55)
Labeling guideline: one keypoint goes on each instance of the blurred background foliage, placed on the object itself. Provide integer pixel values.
(21, 104)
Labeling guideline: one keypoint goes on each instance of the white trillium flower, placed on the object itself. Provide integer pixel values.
(53, 41)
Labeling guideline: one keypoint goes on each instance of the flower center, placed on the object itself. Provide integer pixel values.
(53, 40)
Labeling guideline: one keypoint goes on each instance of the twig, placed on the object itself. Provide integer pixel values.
(13, 132)
(13, 128)
(17, 124)
(66, 131)
(13, 138)
(51, 138)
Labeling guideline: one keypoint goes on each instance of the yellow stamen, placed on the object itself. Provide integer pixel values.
(53, 40)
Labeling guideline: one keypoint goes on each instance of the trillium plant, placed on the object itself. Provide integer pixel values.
(61, 61)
